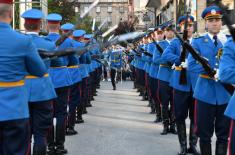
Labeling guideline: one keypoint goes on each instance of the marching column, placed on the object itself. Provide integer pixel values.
(19, 57)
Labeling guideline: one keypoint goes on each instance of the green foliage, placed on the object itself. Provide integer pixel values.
(63, 7)
(86, 24)
(66, 9)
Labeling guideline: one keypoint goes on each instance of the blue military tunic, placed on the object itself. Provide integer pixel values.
(227, 73)
(18, 57)
(165, 71)
(206, 89)
(59, 71)
(116, 59)
(40, 89)
(172, 55)
(75, 68)
(141, 63)
(146, 59)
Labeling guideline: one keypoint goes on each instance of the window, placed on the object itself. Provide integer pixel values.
(98, 9)
(86, 8)
(109, 9)
(109, 19)
(98, 19)
(121, 9)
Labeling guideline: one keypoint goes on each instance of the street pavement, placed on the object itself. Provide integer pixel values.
(119, 123)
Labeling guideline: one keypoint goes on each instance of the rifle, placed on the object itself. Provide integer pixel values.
(45, 54)
(66, 35)
(210, 71)
(145, 52)
(183, 72)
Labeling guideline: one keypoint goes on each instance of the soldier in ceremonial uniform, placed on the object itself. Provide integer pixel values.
(18, 58)
(152, 69)
(211, 97)
(115, 59)
(163, 76)
(78, 38)
(182, 93)
(86, 60)
(41, 90)
(149, 48)
(74, 91)
(62, 80)
(226, 74)
(164, 90)
(158, 37)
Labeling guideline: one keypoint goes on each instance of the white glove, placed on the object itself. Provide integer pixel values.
(216, 76)
(184, 64)
(173, 66)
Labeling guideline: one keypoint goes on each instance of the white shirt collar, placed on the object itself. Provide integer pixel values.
(32, 33)
(211, 36)
(190, 40)
(168, 40)
(53, 33)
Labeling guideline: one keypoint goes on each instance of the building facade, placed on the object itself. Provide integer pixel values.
(111, 10)
(21, 6)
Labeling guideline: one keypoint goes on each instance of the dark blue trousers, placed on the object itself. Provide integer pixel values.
(165, 96)
(60, 113)
(183, 105)
(232, 138)
(15, 137)
(141, 79)
(41, 119)
(210, 118)
(74, 101)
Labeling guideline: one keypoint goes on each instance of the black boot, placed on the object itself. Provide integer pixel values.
(39, 150)
(173, 128)
(60, 139)
(221, 148)
(193, 141)
(51, 150)
(165, 127)
(158, 111)
(61, 150)
(79, 114)
(71, 131)
(84, 111)
(79, 119)
(181, 128)
(51, 141)
(158, 119)
(205, 149)
(88, 103)
(152, 106)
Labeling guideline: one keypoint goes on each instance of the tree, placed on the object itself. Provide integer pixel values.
(66, 9)
(63, 7)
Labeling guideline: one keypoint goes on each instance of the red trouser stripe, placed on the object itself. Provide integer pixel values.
(195, 116)
(230, 137)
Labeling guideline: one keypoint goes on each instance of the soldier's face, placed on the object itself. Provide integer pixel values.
(214, 25)
(190, 29)
(159, 35)
(169, 34)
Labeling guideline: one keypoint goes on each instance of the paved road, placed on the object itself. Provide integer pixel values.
(120, 124)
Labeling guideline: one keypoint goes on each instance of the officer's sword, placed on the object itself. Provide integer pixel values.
(66, 35)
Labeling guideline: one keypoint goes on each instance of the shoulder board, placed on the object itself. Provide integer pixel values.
(46, 38)
(198, 37)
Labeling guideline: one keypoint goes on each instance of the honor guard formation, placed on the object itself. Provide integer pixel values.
(47, 82)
